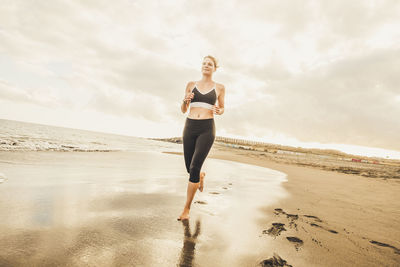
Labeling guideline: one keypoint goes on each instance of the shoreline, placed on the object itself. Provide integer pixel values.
(329, 218)
(316, 158)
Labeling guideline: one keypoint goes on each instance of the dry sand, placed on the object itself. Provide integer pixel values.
(330, 218)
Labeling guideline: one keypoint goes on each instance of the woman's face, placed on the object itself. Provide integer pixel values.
(208, 66)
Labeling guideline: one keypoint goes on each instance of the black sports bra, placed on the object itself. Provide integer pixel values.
(206, 100)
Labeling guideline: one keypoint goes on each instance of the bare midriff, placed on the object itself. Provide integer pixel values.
(198, 113)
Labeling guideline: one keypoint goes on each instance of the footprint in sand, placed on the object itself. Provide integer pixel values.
(275, 261)
(279, 211)
(319, 226)
(395, 250)
(200, 202)
(292, 217)
(214, 193)
(315, 225)
(275, 230)
(295, 219)
(316, 241)
(313, 217)
(297, 241)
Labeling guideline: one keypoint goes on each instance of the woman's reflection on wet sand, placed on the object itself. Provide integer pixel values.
(189, 244)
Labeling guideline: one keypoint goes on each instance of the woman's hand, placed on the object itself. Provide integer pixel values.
(217, 110)
(188, 98)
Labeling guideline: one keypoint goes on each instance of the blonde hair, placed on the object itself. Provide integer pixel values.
(214, 60)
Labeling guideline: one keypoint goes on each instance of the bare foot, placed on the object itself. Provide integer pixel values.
(201, 187)
(184, 215)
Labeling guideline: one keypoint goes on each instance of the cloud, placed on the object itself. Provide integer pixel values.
(311, 70)
(350, 101)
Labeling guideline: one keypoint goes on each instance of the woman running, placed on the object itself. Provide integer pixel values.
(199, 130)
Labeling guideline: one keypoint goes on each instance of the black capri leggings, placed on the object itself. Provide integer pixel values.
(198, 137)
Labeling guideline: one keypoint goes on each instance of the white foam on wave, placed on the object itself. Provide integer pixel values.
(21, 136)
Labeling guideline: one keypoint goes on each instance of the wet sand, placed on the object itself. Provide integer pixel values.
(329, 218)
(120, 209)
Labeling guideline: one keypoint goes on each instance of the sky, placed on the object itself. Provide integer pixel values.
(302, 73)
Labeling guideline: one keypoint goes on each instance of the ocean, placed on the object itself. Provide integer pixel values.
(24, 136)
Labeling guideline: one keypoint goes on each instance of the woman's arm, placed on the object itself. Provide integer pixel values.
(220, 109)
(188, 97)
